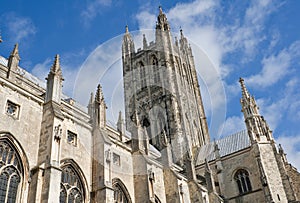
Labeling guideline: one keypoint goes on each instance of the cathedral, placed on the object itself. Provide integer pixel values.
(53, 149)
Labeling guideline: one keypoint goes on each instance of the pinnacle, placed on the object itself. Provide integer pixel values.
(56, 65)
(244, 89)
(160, 10)
(99, 94)
(15, 51)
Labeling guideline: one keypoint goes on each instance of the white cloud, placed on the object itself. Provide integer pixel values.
(93, 8)
(275, 67)
(290, 146)
(18, 27)
(233, 124)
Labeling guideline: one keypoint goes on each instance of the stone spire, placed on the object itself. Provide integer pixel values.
(144, 42)
(282, 154)
(13, 61)
(249, 106)
(100, 108)
(162, 22)
(258, 128)
(54, 82)
(91, 106)
(209, 178)
(128, 44)
(245, 93)
(120, 125)
(216, 150)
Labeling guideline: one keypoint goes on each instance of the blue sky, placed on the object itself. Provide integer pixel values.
(257, 40)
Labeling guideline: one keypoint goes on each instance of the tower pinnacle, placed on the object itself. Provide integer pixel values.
(162, 22)
(54, 82)
(245, 92)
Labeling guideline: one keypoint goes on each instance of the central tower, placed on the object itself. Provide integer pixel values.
(162, 89)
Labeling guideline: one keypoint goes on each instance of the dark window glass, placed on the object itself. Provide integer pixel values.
(243, 181)
(10, 175)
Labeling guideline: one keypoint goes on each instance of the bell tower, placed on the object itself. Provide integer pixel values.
(161, 88)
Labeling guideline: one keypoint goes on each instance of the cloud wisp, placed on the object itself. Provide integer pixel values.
(19, 28)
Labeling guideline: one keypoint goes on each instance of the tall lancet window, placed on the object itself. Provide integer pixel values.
(243, 181)
(71, 188)
(156, 76)
(11, 171)
(142, 75)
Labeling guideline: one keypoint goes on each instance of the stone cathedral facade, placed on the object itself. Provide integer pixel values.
(54, 150)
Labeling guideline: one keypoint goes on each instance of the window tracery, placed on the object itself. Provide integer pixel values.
(243, 181)
(120, 193)
(71, 189)
(11, 173)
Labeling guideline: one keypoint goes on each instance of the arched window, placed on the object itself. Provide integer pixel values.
(156, 75)
(142, 75)
(11, 173)
(71, 188)
(243, 181)
(120, 192)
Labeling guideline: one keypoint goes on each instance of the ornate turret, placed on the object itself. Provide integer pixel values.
(257, 127)
(162, 22)
(100, 108)
(128, 44)
(13, 61)
(54, 82)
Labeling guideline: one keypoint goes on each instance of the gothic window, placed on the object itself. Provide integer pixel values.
(71, 189)
(120, 192)
(12, 109)
(155, 66)
(10, 173)
(243, 181)
(142, 75)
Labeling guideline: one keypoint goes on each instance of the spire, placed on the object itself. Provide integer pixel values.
(13, 61)
(162, 22)
(15, 51)
(56, 66)
(144, 42)
(54, 82)
(257, 126)
(245, 93)
(126, 29)
(91, 98)
(91, 106)
(100, 108)
(209, 178)
(120, 125)
(183, 41)
(216, 150)
(282, 154)
(128, 44)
